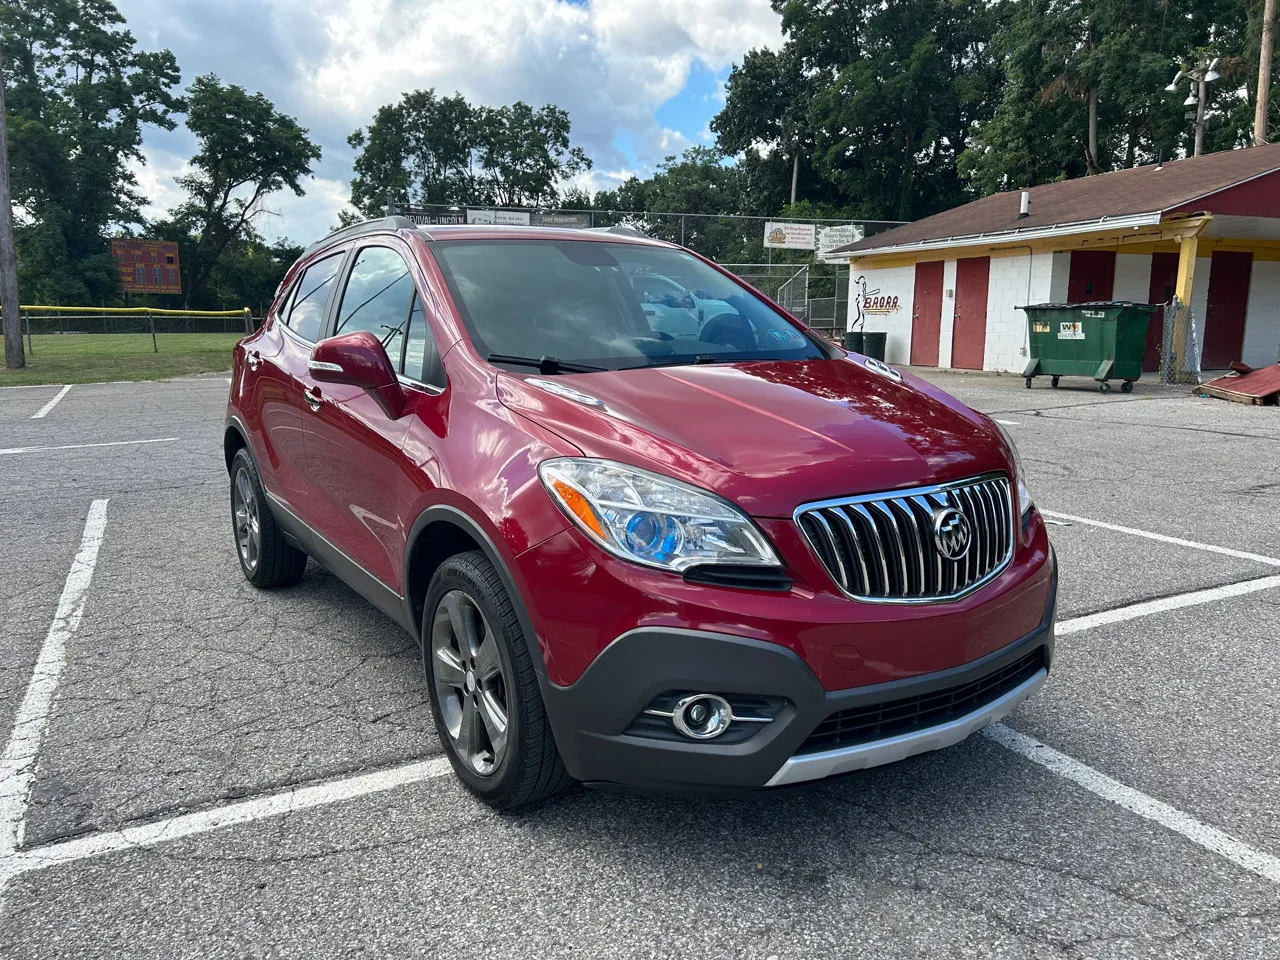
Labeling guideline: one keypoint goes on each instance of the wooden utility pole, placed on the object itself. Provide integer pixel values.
(1264, 74)
(14, 358)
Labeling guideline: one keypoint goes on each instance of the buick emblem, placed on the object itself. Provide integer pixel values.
(951, 533)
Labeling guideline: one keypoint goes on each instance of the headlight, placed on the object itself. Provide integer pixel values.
(1019, 474)
(651, 519)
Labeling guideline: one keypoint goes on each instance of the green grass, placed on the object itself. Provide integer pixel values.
(95, 357)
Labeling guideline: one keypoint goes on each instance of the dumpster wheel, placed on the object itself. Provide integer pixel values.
(1126, 387)
(1104, 387)
(1054, 382)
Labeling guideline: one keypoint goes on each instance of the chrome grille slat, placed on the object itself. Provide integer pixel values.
(881, 547)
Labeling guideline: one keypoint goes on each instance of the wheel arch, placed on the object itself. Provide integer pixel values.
(233, 441)
(443, 531)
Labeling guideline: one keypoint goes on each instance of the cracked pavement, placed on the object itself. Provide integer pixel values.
(185, 689)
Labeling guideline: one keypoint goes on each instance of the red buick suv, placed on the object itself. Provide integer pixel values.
(730, 557)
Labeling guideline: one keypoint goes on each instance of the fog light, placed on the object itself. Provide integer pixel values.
(702, 716)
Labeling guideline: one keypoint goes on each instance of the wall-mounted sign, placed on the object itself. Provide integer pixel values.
(147, 266)
(789, 236)
(832, 238)
(865, 303)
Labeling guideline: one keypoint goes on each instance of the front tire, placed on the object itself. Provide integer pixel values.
(266, 558)
(484, 691)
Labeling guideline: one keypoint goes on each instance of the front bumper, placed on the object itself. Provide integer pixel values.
(591, 717)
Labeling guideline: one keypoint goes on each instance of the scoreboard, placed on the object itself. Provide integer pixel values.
(147, 266)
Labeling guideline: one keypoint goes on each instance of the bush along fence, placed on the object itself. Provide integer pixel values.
(71, 331)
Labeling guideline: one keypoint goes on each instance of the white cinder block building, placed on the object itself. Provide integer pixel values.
(947, 289)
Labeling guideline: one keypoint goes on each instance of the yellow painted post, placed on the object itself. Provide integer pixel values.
(1188, 244)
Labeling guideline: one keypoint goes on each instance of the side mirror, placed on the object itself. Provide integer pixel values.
(359, 360)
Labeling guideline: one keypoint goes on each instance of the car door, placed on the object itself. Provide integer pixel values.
(277, 362)
(360, 481)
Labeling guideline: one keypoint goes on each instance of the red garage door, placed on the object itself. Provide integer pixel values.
(969, 333)
(1224, 314)
(926, 314)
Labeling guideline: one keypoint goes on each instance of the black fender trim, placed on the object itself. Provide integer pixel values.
(443, 513)
(338, 563)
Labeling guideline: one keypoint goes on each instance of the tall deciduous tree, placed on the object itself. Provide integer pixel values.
(428, 149)
(248, 150)
(80, 96)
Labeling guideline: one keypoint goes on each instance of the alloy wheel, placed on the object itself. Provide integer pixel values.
(244, 505)
(470, 684)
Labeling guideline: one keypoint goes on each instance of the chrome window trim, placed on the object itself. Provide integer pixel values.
(430, 388)
(860, 503)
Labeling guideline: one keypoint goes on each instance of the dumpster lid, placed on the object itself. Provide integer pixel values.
(1092, 305)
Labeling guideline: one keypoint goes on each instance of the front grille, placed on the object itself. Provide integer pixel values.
(909, 714)
(882, 547)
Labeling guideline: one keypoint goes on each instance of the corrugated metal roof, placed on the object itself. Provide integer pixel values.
(1121, 193)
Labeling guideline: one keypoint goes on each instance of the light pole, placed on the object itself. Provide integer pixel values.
(1201, 76)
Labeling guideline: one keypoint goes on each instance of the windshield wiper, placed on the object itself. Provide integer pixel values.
(546, 365)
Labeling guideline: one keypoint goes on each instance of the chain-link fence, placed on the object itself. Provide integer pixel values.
(1180, 349)
(817, 293)
(118, 331)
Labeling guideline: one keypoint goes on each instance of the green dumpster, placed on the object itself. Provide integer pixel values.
(1104, 340)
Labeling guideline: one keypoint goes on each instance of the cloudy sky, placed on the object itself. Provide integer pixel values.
(639, 78)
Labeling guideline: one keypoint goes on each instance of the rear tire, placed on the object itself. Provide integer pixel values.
(266, 558)
(484, 692)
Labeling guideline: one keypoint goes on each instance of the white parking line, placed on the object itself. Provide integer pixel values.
(1007, 423)
(1201, 834)
(1175, 602)
(230, 815)
(1177, 541)
(18, 765)
(44, 411)
(82, 446)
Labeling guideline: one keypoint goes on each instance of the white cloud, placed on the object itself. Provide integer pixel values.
(332, 63)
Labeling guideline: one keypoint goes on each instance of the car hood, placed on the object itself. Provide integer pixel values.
(767, 435)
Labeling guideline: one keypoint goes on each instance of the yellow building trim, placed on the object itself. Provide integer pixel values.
(1161, 236)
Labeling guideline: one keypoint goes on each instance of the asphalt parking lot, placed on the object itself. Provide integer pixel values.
(198, 769)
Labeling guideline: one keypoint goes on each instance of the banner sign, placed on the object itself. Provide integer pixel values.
(506, 218)
(428, 218)
(833, 238)
(147, 266)
(575, 221)
(789, 236)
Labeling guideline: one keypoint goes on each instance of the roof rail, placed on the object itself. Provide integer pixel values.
(365, 226)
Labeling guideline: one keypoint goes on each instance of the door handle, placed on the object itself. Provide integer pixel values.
(314, 400)
(253, 359)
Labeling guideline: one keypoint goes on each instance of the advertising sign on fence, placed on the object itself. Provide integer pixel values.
(147, 266)
(833, 238)
(789, 236)
(432, 217)
(507, 218)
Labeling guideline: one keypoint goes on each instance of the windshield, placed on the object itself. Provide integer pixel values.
(610, 306)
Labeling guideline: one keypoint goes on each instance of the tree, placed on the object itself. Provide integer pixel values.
(248, 151)
(80, 95)
(416, 152)
(767, 104)
(443, 150)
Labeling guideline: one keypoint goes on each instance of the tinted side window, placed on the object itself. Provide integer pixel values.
(377, 298)
(421, 356)
(307, 311)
